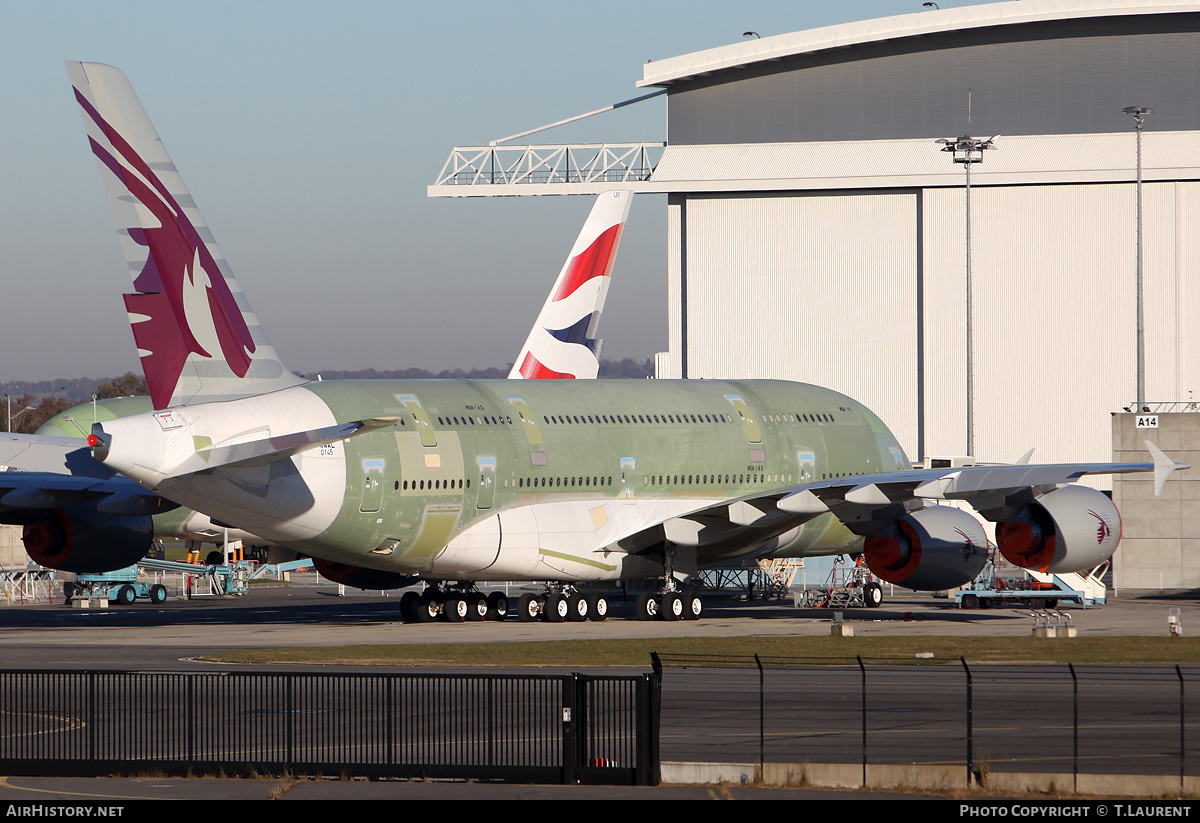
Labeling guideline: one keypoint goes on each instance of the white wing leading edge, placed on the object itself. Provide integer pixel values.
(1045, 521)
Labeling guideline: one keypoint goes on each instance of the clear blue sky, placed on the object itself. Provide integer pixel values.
(307, 133)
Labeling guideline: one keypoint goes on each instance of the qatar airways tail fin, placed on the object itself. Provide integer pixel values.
(563, 342)
(198, 338)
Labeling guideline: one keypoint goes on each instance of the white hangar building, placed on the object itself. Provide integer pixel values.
(817, 232)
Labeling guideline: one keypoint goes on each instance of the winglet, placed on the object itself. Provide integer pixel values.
(1163, 466)
(563, 341)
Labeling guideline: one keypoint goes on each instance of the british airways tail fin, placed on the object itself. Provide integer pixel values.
(198, 338)
(563, 341)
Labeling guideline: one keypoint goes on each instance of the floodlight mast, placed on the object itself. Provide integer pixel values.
(1139, 116)
(968, 151)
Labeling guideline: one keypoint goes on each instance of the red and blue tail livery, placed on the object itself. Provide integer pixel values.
(563, 341)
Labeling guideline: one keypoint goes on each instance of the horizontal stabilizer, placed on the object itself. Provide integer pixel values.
(271, 449)
(1163, 467)
(43, 453)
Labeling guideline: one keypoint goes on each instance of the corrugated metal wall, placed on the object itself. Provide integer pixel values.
(1051, 77)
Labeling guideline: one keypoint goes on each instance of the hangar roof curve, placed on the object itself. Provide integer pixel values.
(846, 35)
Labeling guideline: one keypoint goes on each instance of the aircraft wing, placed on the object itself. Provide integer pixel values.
(21, 491)
(259, 452)
(988, 488)
(871, 505)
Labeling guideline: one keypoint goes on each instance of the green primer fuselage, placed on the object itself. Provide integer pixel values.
(576, 452)
(555, 479)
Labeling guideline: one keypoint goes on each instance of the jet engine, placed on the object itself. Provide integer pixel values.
(361, 578)
(939, 547)
(81, 539)
(1070, 529)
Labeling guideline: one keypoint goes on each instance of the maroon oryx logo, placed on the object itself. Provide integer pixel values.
(178, 264)
(1103, 530)
(968, 545)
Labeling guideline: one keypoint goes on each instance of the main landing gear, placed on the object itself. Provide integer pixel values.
(455, 603)
(561, 603)
(670, 605)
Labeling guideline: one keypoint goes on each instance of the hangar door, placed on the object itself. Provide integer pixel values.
(820, 288)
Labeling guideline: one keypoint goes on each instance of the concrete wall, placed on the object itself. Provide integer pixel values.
(1160, 543)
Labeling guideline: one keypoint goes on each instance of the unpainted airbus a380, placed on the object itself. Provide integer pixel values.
(68, 517)
(566, 482)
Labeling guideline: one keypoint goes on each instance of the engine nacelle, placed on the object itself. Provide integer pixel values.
(83, 540)
(935, 548)
(1070, 529)
(361, 578)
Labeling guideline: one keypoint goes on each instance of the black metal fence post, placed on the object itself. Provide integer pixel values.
(970, 723)
(389, 713)
(583, 729)
(189, 719)
(290, 757)
(490, 721)
(1074, 725)
(648, 714)
(568, 728)
(91, 683)
(1182, 728)
(863, 689)
(762, 718)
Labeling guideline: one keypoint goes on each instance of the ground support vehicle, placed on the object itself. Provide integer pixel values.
(1031, 590)
(850, 585)
(126, 586)
(122, 587)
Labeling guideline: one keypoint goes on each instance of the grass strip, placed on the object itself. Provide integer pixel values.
(806, 650)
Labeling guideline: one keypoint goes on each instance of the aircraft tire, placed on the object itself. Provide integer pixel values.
(409, 603)
(578, 608)
(557, 608)
(497, 606)
(692, 606)
(456, 609)
(427, 607)
(873, 595)
(158, 593)
(671, 607)
(477, 607)
(527, 608)
(647, 606)
(598, 607)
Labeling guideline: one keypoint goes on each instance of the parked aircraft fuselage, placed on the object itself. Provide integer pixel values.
(539, 480)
